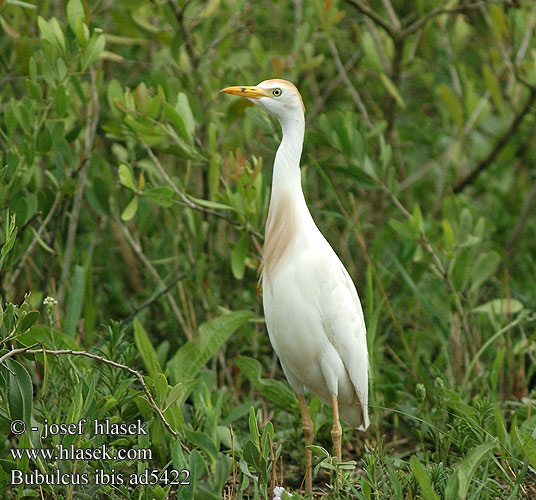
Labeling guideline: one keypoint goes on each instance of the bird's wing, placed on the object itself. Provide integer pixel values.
(344, 325)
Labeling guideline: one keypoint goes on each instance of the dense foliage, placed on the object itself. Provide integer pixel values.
(132, 203)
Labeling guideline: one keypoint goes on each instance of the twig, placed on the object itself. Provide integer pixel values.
(526, 212)
(139, 252)
(153, 299)
(189, 203)
(115, 364)
(179, 16)
(499, 145)
(349, 85)
(461, 9)
(379, 20)
(392, 15)
(30, 248)
(91, 128)
(361, 240)
(380, 49)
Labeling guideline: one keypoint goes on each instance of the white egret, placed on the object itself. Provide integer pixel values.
(313, 314)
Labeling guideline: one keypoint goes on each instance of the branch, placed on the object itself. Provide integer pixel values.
(189, 203)
(379, 20)
(153, 299)
(85, 354)
(499, 145)
(179, 16)
(30, 248)
(91, 129)
(461, 9)
(139, 252)
(349, 85)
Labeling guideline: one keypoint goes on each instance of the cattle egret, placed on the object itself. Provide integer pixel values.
(313, 314)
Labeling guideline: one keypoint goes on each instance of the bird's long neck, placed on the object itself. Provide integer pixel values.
(288, 215)
(286, 174)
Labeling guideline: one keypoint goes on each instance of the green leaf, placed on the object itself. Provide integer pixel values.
(485, 266)
(276, 391)
(238, 256)
(75, 300)
(191, 357)
(403, 230)
(92, 51)
(448, 235)
(146, 350)
(391, 88)
(28, 320)
(203, 442)
(453, 105)
(252, 456)
(176, 119)
(499, 307)
(494, 89)
(458, 483)
(422, 478)
(184, 110)
(75, 13)
(162, 196)
(127, 177)
(19, 392)
(528, 445)
(130, 209)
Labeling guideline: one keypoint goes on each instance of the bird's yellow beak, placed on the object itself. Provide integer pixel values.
(244, 91)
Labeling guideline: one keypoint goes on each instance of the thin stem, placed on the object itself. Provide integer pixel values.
(139, 252)
(91, 128)
(499, 145)
(115, 364)
(31, 247)
(354, 93)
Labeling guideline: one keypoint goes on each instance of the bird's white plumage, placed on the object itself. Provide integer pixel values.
(313, 313)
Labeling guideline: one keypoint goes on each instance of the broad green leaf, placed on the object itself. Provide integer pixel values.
(275, 390)
(453, 105)
(146, 350)
(176, 119)
(528, 445)
(127, 177)
(28, 320)
(403, 230)
(75, 13)
(499, 307)
(459, 481)
(41, 334)
(391, 88)
(75, 300)
(19, 392)
(130, 209)
(494, 89)
(448, 235)
(238, 256)
(485, 266)
(422, 478)
(92, 51)
(202, 441)
(163, 196)
(184, 110)
(210, 204)
(211, 335)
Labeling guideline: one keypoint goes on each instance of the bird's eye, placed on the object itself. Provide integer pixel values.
(276, 92)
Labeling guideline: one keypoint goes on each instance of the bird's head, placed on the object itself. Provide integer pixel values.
(277, 97)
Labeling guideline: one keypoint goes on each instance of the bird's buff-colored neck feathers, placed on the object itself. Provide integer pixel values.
(288, 212)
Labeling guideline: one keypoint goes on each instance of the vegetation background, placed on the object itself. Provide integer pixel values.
(132, 203)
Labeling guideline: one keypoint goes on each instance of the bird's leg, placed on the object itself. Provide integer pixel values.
(308, 432)
(336, 430)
